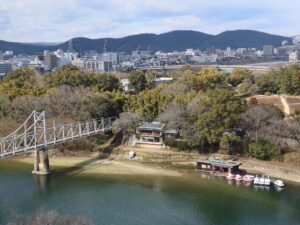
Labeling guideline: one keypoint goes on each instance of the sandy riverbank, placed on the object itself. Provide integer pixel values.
(88, 165)
(158, 162)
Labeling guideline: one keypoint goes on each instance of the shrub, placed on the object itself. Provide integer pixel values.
(262, 150)
(178, 145)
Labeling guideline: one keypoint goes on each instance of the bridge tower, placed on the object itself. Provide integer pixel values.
(41, 157)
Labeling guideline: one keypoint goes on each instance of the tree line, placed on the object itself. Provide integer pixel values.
(207, 106)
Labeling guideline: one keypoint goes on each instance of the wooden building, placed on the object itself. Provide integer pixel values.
(171, 134)
(150, 133)
(218, 166)
(154, 134)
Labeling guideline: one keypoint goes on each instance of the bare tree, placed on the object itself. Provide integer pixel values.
(173, 116)
(257, 118)
(267, 122)
(126, 124)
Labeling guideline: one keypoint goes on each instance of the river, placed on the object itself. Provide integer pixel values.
(143, 200)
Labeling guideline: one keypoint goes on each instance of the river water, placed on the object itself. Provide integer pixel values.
(131, 200)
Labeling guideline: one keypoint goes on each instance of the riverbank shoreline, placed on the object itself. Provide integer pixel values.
(154, 162)
(93, 166)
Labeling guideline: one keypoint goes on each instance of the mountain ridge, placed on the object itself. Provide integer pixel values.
(177, 40)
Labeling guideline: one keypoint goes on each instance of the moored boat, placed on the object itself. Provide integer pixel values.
(262, 181)
(267, 181)
(248, 178)
(238, 177)
(279, 183)
(230, 176)
(256, 180)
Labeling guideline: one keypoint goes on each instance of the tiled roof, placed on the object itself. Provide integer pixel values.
(151, 126)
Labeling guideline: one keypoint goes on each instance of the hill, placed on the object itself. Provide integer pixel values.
(171, 41)
(244, 39)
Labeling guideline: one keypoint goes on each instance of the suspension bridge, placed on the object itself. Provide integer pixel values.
(34, 135)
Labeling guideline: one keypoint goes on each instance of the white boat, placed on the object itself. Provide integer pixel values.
(238, 177)
(131, 154)
(248, 178)
(262, 181)
(267, 181)
(256, 180)
(230, 176)
(279, 183)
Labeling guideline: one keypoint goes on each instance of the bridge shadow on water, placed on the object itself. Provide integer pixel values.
(43, 182)
(80, 167)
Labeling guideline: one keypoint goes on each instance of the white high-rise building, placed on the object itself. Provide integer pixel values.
(296, 40)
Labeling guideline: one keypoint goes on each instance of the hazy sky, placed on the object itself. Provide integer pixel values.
(59, 20)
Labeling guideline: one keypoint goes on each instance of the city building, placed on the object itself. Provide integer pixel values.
(141, 54)
(112, 57)
(229, 53)
(11, 53)
(296, 40)
(5, 68)
(51, 60)
(294, 57)
(284, 51)
(203, 58)
(268, 50)
(97, 65)
(7, 55)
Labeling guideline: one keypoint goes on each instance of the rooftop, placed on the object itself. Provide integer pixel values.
(171, 131)
(220, 163)
(151, 126)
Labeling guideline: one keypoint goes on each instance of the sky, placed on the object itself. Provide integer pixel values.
(60, 20)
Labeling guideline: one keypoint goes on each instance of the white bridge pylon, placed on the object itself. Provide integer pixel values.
(33, 134)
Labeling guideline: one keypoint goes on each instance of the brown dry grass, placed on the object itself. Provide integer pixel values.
(292, 101)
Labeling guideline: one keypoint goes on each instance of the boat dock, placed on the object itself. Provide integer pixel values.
(219, 166)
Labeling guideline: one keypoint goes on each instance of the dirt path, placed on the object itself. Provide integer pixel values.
(286, 107)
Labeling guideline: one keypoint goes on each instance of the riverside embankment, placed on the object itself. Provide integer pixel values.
(156, 162)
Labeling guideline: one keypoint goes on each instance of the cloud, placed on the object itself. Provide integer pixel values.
(48, 20)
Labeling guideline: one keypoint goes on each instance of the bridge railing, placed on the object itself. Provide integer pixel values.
(37, 136)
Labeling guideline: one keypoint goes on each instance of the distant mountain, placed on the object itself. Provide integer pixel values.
(20, 48)
(171, 41)
(244, 39)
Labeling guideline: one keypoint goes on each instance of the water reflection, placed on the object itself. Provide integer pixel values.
(247, 184)
(42, 183)
(261, 188)
(158, 184)
(279, 189)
